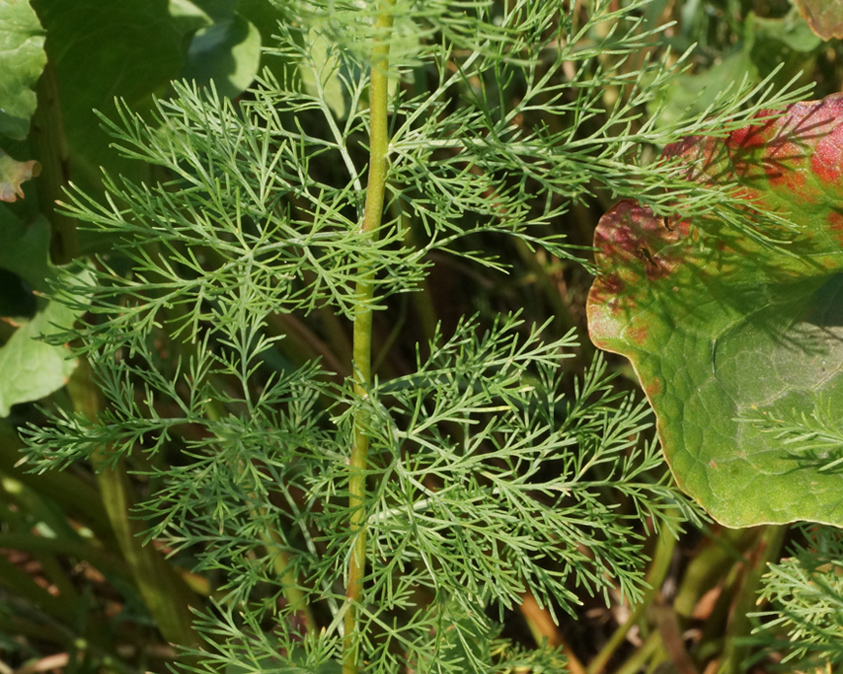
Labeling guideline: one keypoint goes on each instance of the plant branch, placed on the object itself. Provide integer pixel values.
(767, 549)
(655, 577)
(164, 593)
(362, 331)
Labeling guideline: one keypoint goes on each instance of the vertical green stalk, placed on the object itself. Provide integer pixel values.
(165, 594)
(273, 542)
(362, 332)
(50, 148)
(767, 549)
(655, 577)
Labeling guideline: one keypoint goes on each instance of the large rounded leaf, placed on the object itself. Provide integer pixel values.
(721, 326)
(30, 368)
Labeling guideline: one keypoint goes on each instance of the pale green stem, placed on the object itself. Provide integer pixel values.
(642, 654)
(655, 577)
(362, 332)
(767, 550)
(164, 593)
(274, 544)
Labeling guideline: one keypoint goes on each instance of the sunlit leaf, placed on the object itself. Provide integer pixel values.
(720, 326)
(101, 50)
(22, 59)
(29, 367)
(227, 52)
(320, 74)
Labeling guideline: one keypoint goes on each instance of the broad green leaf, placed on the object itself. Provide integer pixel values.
(188, 16)
(12, 174)
(25, 249)
(17, 301)
(264, 15)
(767, 45)
(227, 52)
(691, 94)
(29, 368)
(218, 10)
(721, 327)
(784, 46)
(22, 59)
(790, 30)
(321, 73)
(825, 17)
(130, 49)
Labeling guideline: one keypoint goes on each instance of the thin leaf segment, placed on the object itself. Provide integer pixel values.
(730, 333)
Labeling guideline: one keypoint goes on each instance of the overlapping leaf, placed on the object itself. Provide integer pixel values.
(22, 59)
(722, 327)
(30, 368)
(12, 174)
(825, 17)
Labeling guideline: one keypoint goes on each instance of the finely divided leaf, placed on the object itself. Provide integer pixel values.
(724, 329)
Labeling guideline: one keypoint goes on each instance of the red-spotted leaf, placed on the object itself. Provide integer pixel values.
(825, 17)
(721, 327)
(12, 174)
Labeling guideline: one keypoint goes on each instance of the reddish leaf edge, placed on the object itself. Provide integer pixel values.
(644, 250)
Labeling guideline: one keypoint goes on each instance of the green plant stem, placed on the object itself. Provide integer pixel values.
(102, 560)
(274, 545)
(71, 493)
(362, 330)
(655, 577)
(18, 500)
(709, 565)
(45, 628)
(766, 550)
(301, 344)
(422, 300)
(21, 584)
(164, 593)
(562, 314)
(50, 148)
(640, 656)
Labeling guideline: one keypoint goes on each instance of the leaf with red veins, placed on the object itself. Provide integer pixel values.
(12, 174)
(721, 326)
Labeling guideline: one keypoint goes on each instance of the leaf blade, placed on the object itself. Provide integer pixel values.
(718, 326)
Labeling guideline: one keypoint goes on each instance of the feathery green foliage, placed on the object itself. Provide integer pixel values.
(490, 472)
(805, 591)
